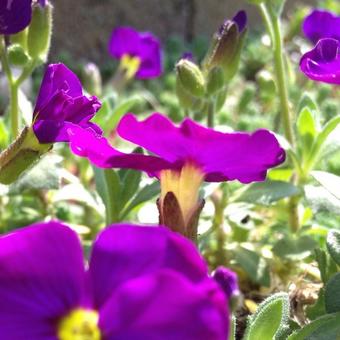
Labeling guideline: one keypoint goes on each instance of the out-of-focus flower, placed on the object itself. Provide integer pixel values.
(62, 105)
(187, 156)
(141, 283)
(139, 53)
(321, 24)
(322, 63)
(15, 15)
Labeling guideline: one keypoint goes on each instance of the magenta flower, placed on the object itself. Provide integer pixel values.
(61, 105)
(321, 24)
(15, 15)
(322, 63)
(140, 52)
(141, 283)
(228, 281)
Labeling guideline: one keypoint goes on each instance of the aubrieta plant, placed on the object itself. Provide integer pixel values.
(232, 208)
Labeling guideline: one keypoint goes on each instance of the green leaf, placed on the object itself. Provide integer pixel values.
(326, 264)
(267, 192)
(147, 193)
(121, 109)
(46, 174)
(332, 294)
(307, 101)
(306, 124)
(254, 265)
(329, 181)
(333, 245)
(4, 135)
(130, 184)
(325, 328)
(294, 249)
(318, 308)
(109, 189)
(270, 319)
(320, 140)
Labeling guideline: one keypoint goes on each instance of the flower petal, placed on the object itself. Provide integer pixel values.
(123, 252)
(165, 306)
(221, 156)
(15, 15)
(57, 78)
(124, 40)
(151, 57)
(41, 279)
(241, 20)
(86, 143)
(321, 24)
(322, 63)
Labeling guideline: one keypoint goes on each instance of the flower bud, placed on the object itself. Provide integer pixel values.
(17, 55)
(20, 38)
(39, 31)
(226, 46)
(215, 80)
(91, 79)
(186, 100)
(190, 77)
(20, 155)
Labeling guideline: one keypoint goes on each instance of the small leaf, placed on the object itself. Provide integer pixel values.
(294, 249)
(307, 101)
(109, 189)
(267, 192)
(333, 245)
(326, 327)
(319, 199)
(326, 264)
(130, 183)
(270, 319)
(305, 123)
(329, 181)
(332, 294)
(147, 193)
(318, 308)
(254, 265)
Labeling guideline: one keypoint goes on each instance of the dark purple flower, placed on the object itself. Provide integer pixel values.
(141, 283)
(143, 47)
(321, 24)
(240, 19)
(228, 281)
(15, 15)
(61, 105)
(322, 63)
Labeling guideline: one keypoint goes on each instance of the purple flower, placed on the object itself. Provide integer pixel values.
(15, 15)
(322, 63)
(228, 281)
(141, 283)
(61, 105)
(141, 49)
(321, 24)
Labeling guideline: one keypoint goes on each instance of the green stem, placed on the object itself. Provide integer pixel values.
(274, 29)
(14, 109)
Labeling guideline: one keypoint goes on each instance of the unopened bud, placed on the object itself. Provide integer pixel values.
(39, 31)
(20, 38)
(91, 79)
(215, 81)
(17, 55)
(20, 156)
(187, 100)
(190, 77)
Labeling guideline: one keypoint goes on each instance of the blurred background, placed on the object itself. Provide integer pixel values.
(82, 27)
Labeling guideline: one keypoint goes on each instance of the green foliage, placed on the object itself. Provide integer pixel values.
(332, 294)
(270, 321)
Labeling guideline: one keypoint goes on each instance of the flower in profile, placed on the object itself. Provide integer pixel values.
(61, 105)
(321, 24)
(141, 283)
(139, 53)
(322, 63)
(15, 15)
(185, 156)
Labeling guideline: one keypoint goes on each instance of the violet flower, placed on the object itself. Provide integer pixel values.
(15, 15)
(61, 105)
(139, 52)
(141, 283)
(321, 24)
(185, 157)
(322, 63)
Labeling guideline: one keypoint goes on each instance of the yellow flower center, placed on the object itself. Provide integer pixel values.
(130, 65)
(184, 184)
(80, 324)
